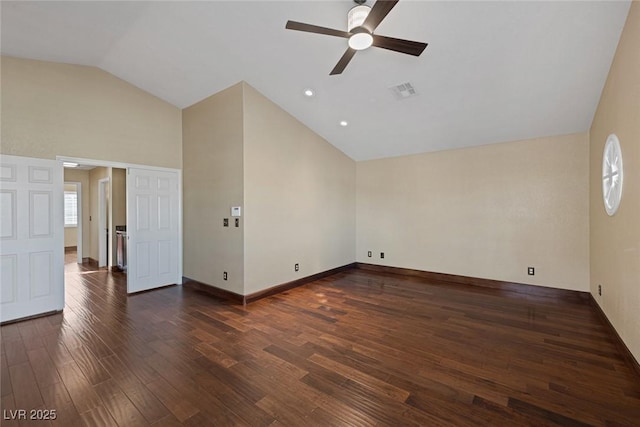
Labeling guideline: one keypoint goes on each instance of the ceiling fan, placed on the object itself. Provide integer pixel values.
(361, 23)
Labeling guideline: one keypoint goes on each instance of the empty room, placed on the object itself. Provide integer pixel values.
(320, 213)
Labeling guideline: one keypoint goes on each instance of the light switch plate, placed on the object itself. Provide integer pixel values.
(236, 211)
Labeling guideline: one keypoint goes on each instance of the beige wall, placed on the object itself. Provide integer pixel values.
(299, 196)
(487, 212)
(82, 176)
(296, 191)
(615, 241)
(95, 175)
(51, 109)
(70, 237)
(212, 184)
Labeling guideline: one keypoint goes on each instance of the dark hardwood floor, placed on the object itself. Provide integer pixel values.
(358, 349)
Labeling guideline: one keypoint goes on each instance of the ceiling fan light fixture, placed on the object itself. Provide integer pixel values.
(355, 18)
(362, 23)
(360, 41)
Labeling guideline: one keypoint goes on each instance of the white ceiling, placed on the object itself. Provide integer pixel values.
(493, 71)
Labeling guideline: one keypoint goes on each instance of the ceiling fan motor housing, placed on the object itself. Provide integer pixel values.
(356, 16)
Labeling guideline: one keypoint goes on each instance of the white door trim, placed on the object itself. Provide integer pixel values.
(103, 255)
(107, 163)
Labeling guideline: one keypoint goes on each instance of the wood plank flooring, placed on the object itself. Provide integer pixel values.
(358, 348)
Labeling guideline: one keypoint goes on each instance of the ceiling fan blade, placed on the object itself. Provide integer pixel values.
(299, 26)
(378, 12)
(342, 64)
(399, 45)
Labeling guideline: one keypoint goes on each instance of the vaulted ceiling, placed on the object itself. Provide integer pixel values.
(493, 71)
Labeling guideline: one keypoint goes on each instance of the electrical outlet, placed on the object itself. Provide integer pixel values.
(600, 290)
(296, 267)
(381, 254)
(237, 222)
(531, 271)
(369, 254)
(224, 275)
(225, 222)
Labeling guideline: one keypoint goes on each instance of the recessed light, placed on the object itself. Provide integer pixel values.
(308, 92)
(344, 123)
(69, 164)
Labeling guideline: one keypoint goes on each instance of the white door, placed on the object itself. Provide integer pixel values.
(153, 222)
(31, 237)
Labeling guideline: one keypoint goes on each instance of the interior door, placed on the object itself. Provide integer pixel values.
(31, 237)
(153, 223)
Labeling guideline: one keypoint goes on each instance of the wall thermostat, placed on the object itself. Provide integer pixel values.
(235, 211)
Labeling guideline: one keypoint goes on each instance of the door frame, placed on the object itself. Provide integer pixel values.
(122, 165)
(103, 225)
(78, 185)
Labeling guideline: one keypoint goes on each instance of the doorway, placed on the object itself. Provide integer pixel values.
(148, 211)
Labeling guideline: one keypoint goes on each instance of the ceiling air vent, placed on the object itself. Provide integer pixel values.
(403, 91)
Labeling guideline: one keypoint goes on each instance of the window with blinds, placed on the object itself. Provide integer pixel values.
(70, 209)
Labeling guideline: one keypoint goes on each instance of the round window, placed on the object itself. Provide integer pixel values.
(612, 174)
